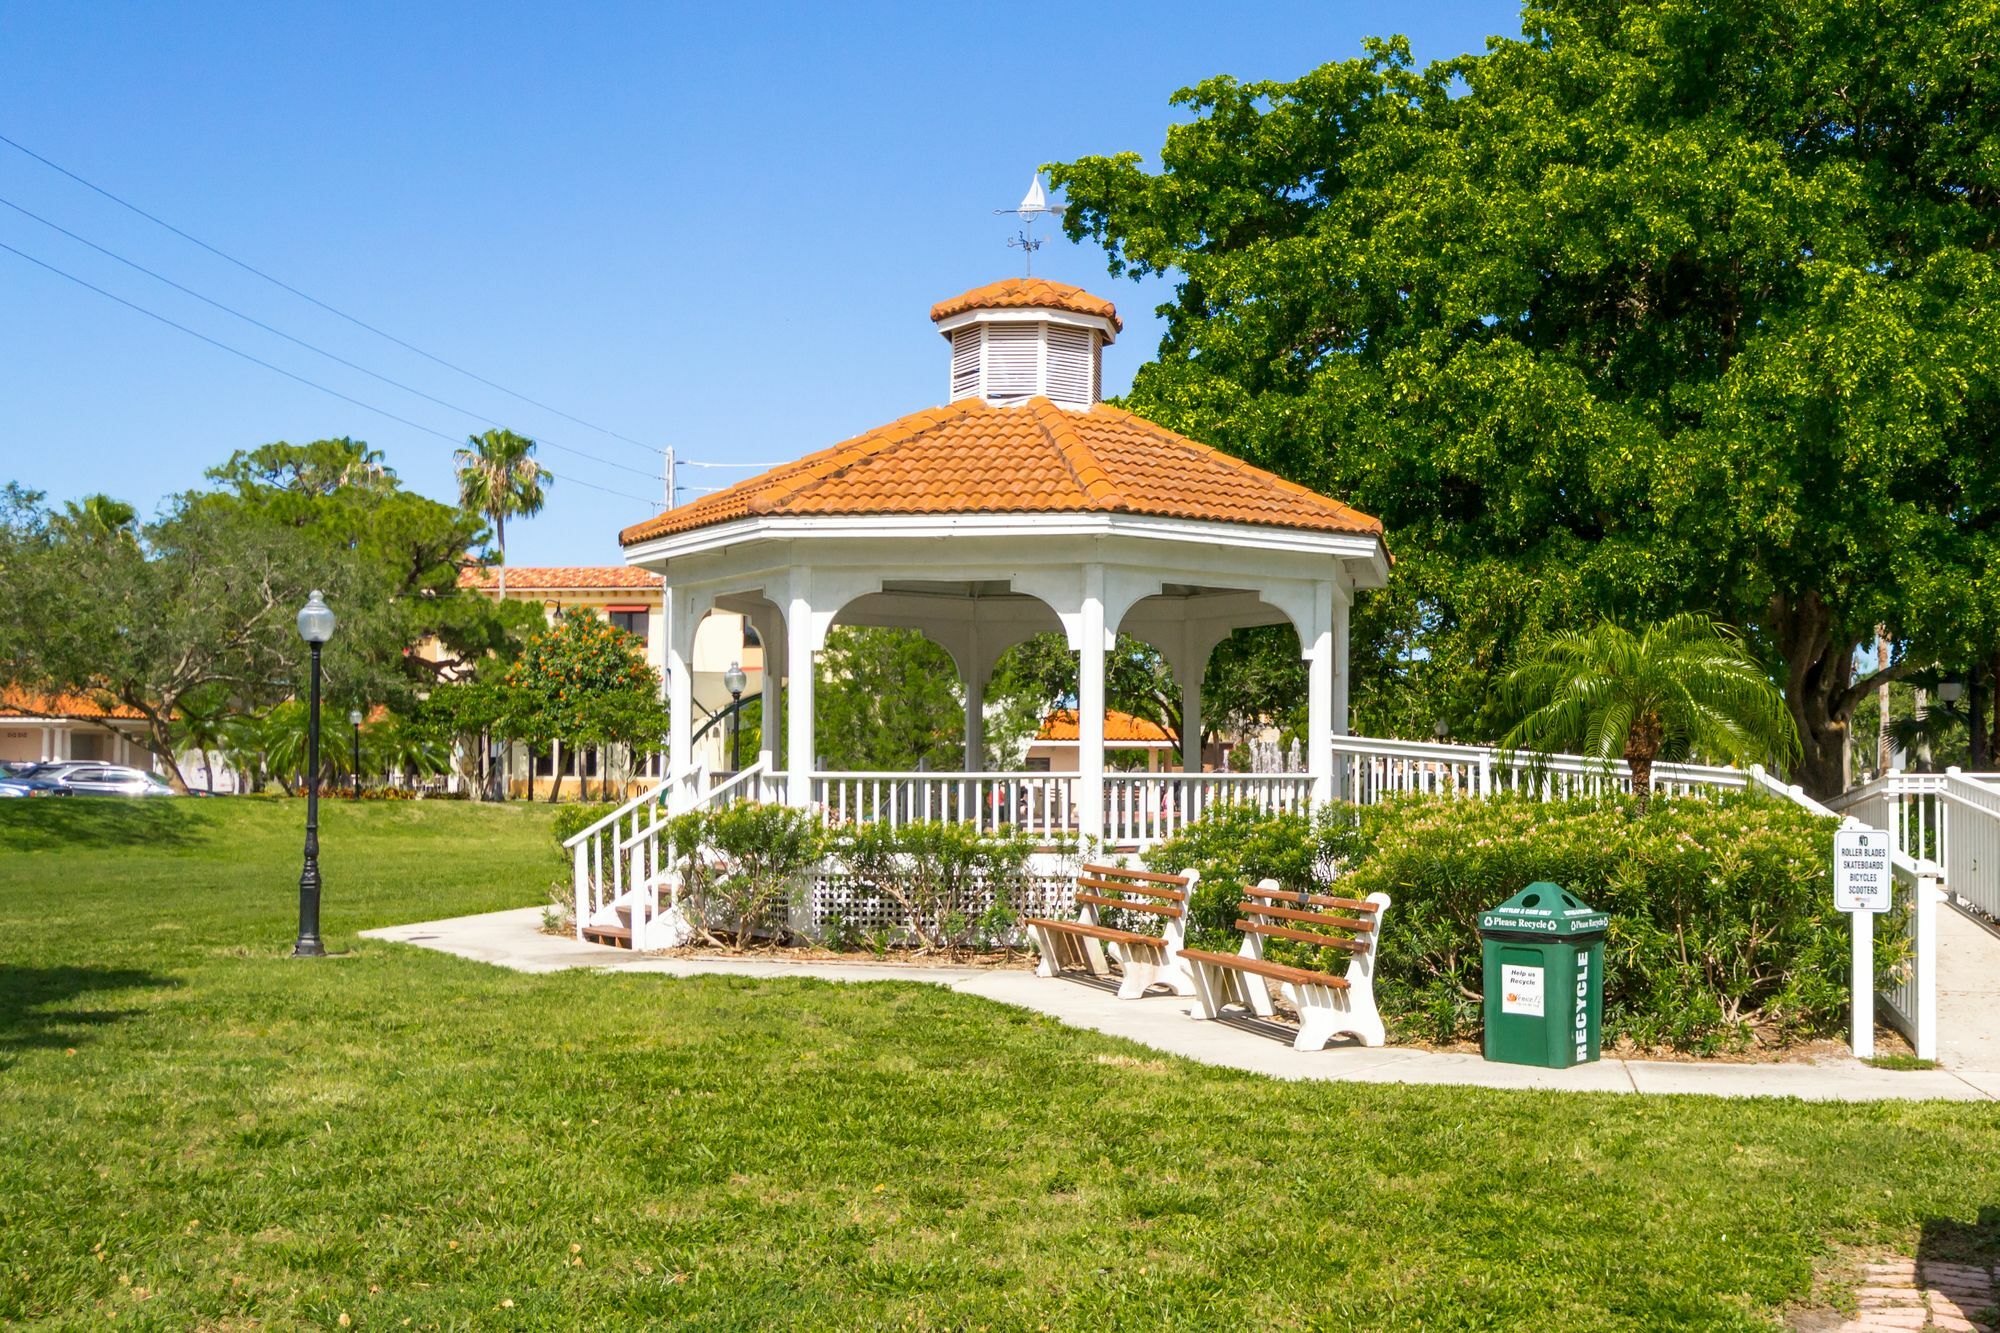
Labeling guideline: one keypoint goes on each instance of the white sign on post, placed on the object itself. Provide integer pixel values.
(1861, 870)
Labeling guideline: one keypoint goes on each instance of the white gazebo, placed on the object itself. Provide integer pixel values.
(1023, 505)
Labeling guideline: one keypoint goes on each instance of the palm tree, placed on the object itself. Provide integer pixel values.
(203, 725)
(100, 517)
(1677, 687)
(499, 476)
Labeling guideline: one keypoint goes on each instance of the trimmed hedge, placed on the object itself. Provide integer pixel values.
(1723, 930)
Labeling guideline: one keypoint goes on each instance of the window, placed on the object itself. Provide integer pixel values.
(632, 622)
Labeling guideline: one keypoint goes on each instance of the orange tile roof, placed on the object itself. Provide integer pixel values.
(1037, 458)
(1119, 728)
(1028, 294)
(562, 578)
(18, 702)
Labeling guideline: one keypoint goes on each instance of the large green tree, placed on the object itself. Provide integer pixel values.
(194, 610)
(1659, 308)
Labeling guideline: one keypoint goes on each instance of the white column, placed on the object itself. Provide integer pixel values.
(1343, 600)
(1191, 722)
(679, 663)
(1320, 654)
(799, 689)
(1090, 708)
(975, 722)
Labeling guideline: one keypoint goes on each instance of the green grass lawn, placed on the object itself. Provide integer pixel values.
(198, 1131)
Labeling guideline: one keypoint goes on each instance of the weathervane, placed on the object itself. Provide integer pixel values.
(1034, 204)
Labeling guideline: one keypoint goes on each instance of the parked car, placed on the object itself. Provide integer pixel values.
(103, 780)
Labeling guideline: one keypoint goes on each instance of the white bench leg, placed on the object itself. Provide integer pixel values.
(1048, 965)
(1143, 968)
(1324, 1014)
(1210, 992)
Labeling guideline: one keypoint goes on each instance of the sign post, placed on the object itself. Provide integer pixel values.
(1861, 888)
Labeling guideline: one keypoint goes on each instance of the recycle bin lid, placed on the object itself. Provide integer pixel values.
(1546, 910)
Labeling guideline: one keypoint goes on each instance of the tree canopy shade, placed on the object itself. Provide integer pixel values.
(1659, 308)
(1677, 690)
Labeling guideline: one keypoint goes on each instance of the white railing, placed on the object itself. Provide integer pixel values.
(1144, 808)
(1370, 769)
(1042, 805)
(597, 873)
(1969, 813)
(649, 867)
(1911, 996)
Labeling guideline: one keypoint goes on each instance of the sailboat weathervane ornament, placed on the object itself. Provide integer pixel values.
(1033, 205)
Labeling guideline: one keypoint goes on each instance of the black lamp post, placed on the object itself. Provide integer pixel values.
(734, 680)
(315, 627)
(354, 721)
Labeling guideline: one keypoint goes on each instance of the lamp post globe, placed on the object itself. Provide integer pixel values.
(315, 627)
(354, 720)
(734, 681)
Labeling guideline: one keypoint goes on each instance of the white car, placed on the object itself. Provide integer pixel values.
(107, 780)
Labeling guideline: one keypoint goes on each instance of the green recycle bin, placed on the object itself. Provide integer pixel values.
(1542, 952)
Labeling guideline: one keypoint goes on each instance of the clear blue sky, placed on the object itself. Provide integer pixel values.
(718, 228)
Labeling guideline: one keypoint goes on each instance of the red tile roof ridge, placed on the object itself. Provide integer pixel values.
(1091, 478)
(1246, 469)
(782, 484)
(1028, 294)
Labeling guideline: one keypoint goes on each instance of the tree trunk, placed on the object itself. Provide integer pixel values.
(500, 534)
(1819, 679)
(1884, 751)
(162, 746)
(1642, 747)
(531, 775)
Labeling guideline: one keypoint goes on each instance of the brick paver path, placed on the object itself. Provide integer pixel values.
(1903, 1294)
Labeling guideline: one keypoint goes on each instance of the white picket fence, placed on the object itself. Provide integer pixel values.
(1371, 770)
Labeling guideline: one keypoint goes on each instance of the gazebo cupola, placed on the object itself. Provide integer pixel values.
(1024, 338)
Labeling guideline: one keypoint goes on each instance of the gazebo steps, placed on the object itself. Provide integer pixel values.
(618, 937)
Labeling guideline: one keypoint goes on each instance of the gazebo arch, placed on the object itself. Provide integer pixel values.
(1022, 505)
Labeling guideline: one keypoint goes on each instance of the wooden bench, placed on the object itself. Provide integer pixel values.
(1327, 1004)
(1144, 961)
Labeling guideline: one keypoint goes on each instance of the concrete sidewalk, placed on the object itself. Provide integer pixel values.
(514, 939)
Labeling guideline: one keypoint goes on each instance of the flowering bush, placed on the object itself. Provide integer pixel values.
(955, 885)
(1723, 929)
(741, 866)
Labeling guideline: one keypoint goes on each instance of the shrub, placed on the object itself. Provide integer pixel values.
(1235, 846)
(740, 866)
(955, 885)
(1723, 928)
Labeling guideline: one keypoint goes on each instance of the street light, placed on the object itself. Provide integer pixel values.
(734, 680)
(315, 627)
(354, 720)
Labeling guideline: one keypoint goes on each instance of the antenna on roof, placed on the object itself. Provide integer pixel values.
(1033, 205)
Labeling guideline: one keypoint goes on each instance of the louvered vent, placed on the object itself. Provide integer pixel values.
(965, 363)
(1071, 355)
(1013, 361)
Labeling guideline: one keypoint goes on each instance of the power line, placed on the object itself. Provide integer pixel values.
(301, 342)
(314, 300)
(290, 375)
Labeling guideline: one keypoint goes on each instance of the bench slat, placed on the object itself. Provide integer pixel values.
(1298, 976)
(1126, 904)
(1095, 932)
(1316, 899)
(1109, 886)
(1317, 918)
(1304, 936)
(1152, 876)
